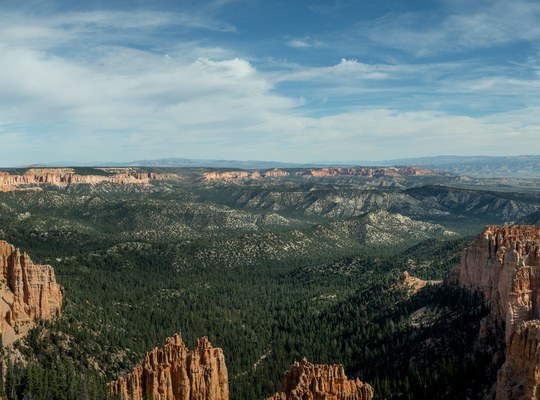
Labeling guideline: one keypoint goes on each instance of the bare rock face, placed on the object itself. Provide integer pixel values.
(306, 381)
(29, 292)
(519, 377)
(172, 372)
(504, 264)
(67, 176)
(368, 172)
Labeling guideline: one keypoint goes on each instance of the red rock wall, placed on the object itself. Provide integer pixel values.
(504, 264)
(29, 291)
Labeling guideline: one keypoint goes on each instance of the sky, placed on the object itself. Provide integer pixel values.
(282, 80)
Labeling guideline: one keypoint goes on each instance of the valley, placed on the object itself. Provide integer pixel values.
(271, 265)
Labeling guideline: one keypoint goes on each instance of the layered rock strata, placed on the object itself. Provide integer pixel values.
(519, 377)
(29, 292)
(231, 176)
(173, 372)
(306, 381)
(504, 264)
(67, 176)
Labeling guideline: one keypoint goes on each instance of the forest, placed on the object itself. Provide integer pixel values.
(139, 265)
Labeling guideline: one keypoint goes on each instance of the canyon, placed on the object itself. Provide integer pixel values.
(29, 292)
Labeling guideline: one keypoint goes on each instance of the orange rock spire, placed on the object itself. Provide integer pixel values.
(306, 381)
(172, 372)
(29, 292)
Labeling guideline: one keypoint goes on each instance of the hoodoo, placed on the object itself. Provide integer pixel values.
(307, 381)
(173, 372)
(29, 292)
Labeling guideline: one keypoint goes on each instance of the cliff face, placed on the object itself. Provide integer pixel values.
(172, 372)
(306, 381)
(67, 176)
(519, 377)
(504, 264)
(231, 176)
(29, 292)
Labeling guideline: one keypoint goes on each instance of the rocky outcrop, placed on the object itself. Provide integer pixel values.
(67, 176)
(232, 176)
(368, 172)
(504, 264)
(519, 377)
(172, 372)
(29, 292)
(306, 381)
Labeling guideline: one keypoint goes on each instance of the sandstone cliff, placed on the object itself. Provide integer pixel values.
(232, 176)
(306, 381)
(368, 172)
(504, 264)
(172, 372)
(67, 176)
(519, 377)
(29, 292)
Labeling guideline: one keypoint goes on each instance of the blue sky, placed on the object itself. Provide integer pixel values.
(270, 80)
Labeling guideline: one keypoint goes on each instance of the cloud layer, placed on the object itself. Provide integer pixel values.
(118, 85)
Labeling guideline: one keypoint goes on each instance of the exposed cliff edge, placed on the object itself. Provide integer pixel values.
(231, 176)
(306, 381)
(504, 264)
(172, 372)
(519, 377)
(67, 176)
(29, 292)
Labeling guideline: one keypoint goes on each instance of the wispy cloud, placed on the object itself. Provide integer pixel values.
(425, 33)
(304, 43)
(93, 85)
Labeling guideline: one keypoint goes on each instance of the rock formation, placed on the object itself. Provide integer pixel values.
(172, 372)
(67, 176)
(368, 172)
(519, 377)
(504, 264)
(29, 292)
(306, 381)
(232, 176)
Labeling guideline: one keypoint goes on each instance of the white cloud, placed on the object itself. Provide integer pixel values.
(304, 43)
(108, 101)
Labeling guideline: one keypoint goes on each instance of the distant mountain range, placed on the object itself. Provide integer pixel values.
(481, 166)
